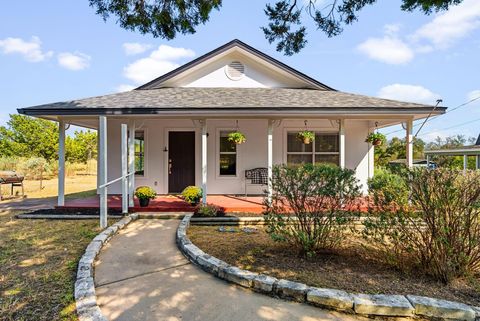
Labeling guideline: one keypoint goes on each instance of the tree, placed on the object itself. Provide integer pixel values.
(287, 18)
(81, 147)
(29, 137)
(396, 148)
(451, 142)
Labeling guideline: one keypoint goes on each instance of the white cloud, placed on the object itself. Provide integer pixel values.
(410, 93)
(135, 48)
(30, 50)
(159, 62)
(73, 61)
(448, 27)
(124, 87)
(388, 49)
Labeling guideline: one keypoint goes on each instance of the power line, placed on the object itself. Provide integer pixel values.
(454, 126)
(434, 117)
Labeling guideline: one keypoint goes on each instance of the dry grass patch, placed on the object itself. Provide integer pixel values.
(352, 268)
(38, 260)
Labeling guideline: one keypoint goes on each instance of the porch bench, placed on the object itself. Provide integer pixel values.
(256, 176)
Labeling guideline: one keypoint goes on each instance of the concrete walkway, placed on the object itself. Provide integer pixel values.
(141, 275)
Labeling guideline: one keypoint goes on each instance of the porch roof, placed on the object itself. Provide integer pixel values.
(228, 100)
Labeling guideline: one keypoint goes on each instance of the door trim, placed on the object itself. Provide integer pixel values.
(166, 134)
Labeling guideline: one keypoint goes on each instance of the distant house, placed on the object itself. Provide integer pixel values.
(416, 163)
(178, 124)
(465, 151)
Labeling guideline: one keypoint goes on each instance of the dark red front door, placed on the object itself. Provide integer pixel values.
(181, 160)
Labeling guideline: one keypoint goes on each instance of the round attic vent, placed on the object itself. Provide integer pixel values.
(235, 70)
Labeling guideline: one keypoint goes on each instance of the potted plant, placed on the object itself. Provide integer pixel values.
(236, 137)
(376, 139)
(306, 136)
(144, 195)
(192, 195)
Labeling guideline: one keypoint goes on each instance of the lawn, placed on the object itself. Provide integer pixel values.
(38, 260)
(73, 184)
(352, 268)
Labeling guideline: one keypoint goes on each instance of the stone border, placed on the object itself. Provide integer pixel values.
(85, 298)
(363, 304)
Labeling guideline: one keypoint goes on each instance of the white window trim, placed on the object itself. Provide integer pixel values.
(145, 154)
(218, 130)
(316, 130)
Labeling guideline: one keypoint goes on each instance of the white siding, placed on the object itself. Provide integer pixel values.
(251, 154)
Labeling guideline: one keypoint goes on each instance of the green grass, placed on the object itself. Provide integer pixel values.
(38, 261)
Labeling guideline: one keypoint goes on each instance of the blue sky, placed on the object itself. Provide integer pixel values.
(58, 50)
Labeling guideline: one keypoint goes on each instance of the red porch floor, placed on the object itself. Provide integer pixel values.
(169, 203)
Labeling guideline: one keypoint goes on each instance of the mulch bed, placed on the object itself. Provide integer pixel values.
(352, 268)
(73, 211)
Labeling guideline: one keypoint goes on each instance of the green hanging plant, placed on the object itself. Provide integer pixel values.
(236, 137)
(376, 139)
(306, 136)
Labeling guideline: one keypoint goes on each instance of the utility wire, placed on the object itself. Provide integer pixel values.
(454, 126)
(434, 117)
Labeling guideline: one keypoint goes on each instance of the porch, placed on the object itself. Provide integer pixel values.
(173, 203)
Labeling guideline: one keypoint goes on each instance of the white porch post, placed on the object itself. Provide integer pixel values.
(409, 143)
(61, 163)
(131, 164)
(371, 158)
(102, 157)
(204, 161)
(341, 133)
(428, 161)
(270, 159)
(477, 162)
(124, 169)
(465, 163)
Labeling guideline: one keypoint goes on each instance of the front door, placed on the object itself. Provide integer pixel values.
(181, 160)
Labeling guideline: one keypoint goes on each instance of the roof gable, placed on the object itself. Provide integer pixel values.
(260, 71)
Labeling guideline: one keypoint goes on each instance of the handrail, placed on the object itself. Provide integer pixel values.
(115, 180)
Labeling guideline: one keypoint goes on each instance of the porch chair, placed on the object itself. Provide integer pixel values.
(256, 176)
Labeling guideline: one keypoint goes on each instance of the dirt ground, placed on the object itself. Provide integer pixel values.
(73, 184)
(352, 268)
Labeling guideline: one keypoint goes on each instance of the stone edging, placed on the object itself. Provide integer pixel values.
(363, 304)
(85, 298)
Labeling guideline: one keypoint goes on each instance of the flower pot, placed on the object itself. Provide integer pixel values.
(377, 142)
(306, 141)
(144, 202)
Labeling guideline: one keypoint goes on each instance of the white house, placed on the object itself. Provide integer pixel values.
(180, 122)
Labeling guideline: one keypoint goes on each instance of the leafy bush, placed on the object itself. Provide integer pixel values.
(441, 231)
(389, 191)
(317, 195)
(145, 192)
(209, 210)
(192, 194)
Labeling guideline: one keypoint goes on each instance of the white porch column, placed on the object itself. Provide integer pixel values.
(409, 143)
(371, 157)
(341, 141)
(204, 161)
(124, 149)
(465, 163)
(477, 158)
(61, 163)
(131, 164)
(428, 161)
(270, 159)
(102, 158)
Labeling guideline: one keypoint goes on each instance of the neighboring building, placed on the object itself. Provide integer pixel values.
(180, 122)
(465, 151)
(415, 163)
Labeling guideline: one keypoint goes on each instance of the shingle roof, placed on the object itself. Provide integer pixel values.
(230, 99)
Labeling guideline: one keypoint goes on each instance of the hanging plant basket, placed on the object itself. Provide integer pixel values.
(236, 137)
(306, 136)
(376, 139)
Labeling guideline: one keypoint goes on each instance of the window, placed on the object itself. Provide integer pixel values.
(140, 153)
(228, 156)
(323, 150)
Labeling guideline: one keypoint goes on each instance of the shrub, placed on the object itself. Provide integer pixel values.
(318, 196)
(209, 210)
(145, 192)
(389, 191)
(441, 231)
(192, 194)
